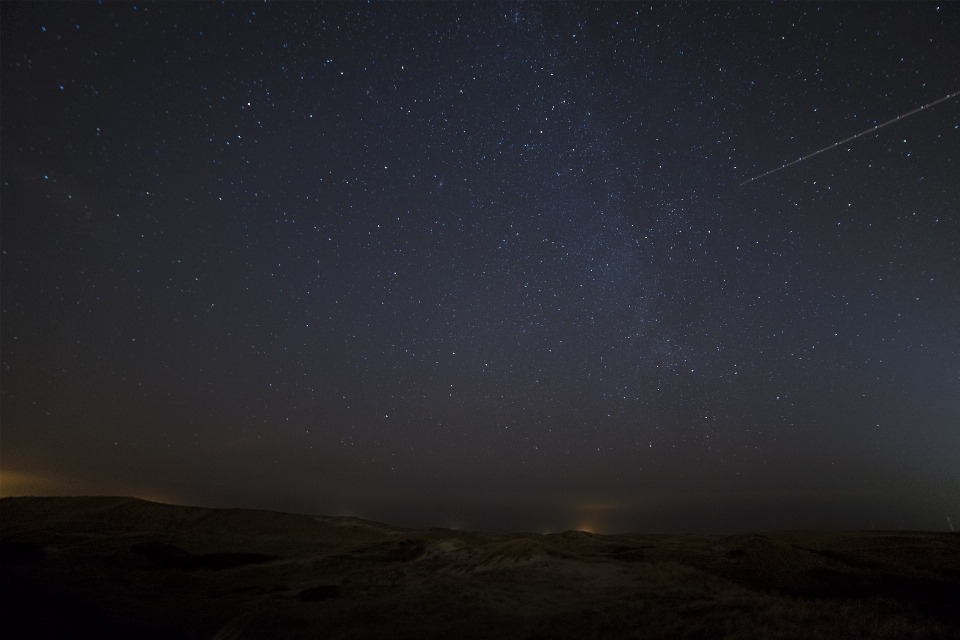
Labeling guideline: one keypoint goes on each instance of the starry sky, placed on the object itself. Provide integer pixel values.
(485, 265)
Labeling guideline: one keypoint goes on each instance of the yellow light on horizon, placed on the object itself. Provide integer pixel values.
(19, 483)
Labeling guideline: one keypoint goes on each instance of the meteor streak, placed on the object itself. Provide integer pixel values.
(853, 137)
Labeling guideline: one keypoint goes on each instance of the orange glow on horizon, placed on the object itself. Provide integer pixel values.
(19, 483)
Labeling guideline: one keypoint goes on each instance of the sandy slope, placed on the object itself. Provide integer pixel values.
(123, 567)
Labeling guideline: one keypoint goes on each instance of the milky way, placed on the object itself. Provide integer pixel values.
(485, 265)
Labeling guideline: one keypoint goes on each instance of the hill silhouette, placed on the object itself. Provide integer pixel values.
(110, 567)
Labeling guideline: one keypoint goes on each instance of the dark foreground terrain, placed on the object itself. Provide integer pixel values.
(123, 567)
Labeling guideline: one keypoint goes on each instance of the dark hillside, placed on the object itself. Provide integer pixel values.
(123, 567)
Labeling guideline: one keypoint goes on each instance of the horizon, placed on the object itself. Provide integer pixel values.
(454, 527)
(666, 519)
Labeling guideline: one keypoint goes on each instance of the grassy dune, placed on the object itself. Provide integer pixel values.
(123, 567)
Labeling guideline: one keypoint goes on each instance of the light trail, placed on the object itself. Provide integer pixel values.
(853, 137)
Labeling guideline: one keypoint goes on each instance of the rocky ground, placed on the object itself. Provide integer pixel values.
(123, 567)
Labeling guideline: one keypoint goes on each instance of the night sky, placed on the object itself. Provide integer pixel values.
(485, 265)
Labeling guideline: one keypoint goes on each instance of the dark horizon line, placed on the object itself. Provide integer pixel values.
(472, 531)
